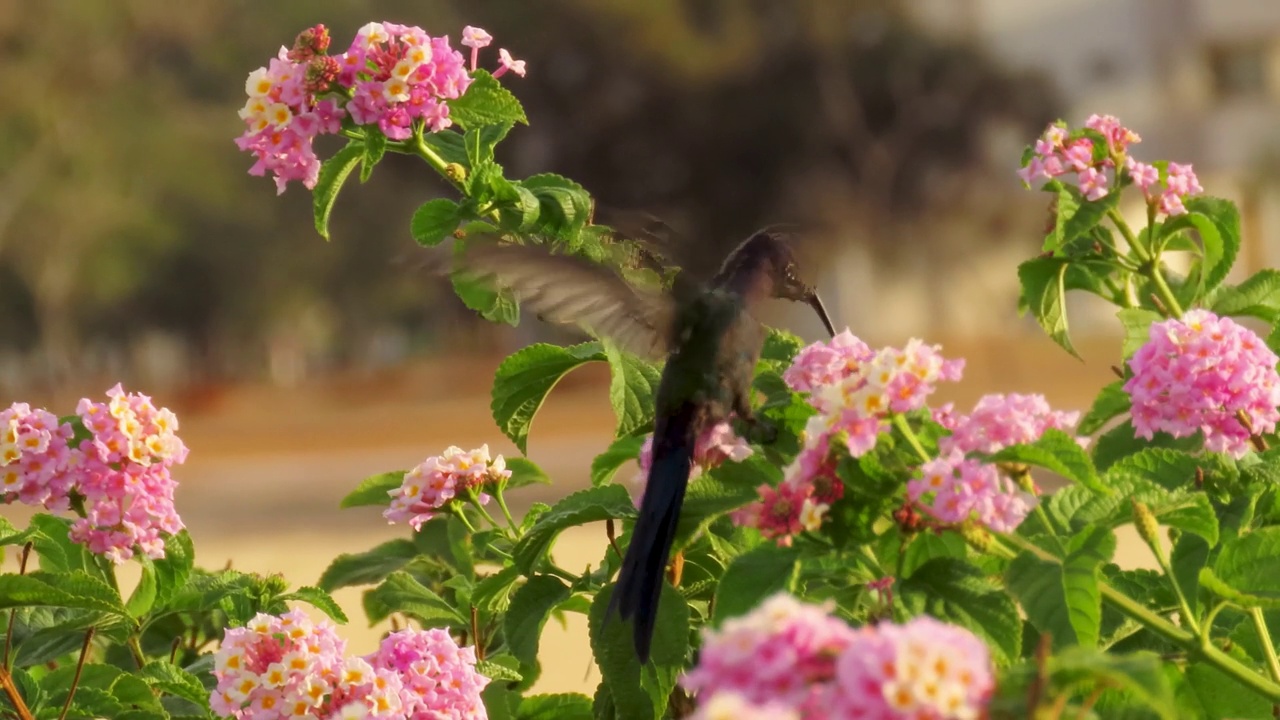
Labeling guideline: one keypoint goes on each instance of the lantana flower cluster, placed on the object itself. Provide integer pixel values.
(121, 471)
(716, 445)
(854, 389)
(1059, 153)
(955, 488)
(290, 667)
(1204, 373)
(395, 77)
(440, 479)
(791, 659)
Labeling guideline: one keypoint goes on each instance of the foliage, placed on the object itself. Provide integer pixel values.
(868, 529)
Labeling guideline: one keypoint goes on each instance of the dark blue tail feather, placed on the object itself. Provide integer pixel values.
(640, 580)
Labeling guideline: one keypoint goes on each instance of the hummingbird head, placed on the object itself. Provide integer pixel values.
(766, 261)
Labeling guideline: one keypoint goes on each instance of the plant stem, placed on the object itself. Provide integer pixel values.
(1136, 247)
(11, 692)
(502, 503)
(900, 422)
(1260, 626)
(13, 614)
(1206, 627)
(135, 648)
(75, 680)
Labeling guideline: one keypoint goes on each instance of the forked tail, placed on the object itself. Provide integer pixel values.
(640, 580)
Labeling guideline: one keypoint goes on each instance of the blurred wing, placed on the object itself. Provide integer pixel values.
(574, 291)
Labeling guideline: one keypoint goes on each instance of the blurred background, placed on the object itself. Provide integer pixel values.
(134, 246)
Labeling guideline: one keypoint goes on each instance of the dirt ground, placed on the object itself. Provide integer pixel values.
(269, 466)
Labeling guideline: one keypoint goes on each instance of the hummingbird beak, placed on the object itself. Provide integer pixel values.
(815, 302)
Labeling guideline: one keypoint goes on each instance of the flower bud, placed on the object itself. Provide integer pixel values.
(455, 172)
(1148, 528)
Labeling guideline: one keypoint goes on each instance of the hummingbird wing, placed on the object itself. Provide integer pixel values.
(571, 290)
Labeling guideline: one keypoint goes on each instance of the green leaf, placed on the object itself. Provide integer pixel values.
(367, 567)
(584, 506)
(174, 568)
(561, 706)
(171, 679)
(1258, 296)
(1087, 551)
(1044, 295)
(565, 205)
(1226, 218)
(526, 377)
(620, 452)
(1223, 697)
(1038, 586)
(320, 600)
(1137, 327)
(499, 668)
(375, 146)
(1247, 564)
(434, 221)
(493, 592)
(52, 543)
(374, 490)
(531, 605)
(1169, 468)
(449, 145)
(780, 347)
(494, 305)
(1138, 673)
(1111, 402)
(74, 589)
(525, 472)
(486, 102)
(1184, 509)
(333, 173)
(143, 597)
(400, 592)
(752, 577)
(927, 546)
(1057, 451)
(632, 384)
(640, 692)
(1075, 217)
(1121, 441)
(955, 591)
(727, 488)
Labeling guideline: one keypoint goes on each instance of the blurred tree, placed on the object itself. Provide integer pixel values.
(125, 208)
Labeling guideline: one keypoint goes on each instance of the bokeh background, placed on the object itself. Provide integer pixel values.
(134, 247)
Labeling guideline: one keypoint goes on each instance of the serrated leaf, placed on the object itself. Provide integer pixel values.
(494, 305)
(1247, 565)
(1121, 441)
(320, 600)
(174, 568)
(524, 379)
(1111, 403)
(1087, 551)
(1057, 451)
(620, 452)
(632, 384)
(434, 221)
(955, 591)
(171, 679)
(63, 589)
(584, 506)
(492, 593)
(1257, 296)
(143, 597)
(486, 102)
(525, 472)
(375, 146)
(495, 669)
(752, 577)
(726, 488)
(1223, 697)
(374, 490)
(367, 567)
(1137, 327)
(531, 605)
(1226, 218)
(780, 347)
(1139, 673)
(400, 592)
(1186, 509)
(57, 552)
(561, 706)
(640, 692)
(1038, 586)
(333, 173)
(1044, 295)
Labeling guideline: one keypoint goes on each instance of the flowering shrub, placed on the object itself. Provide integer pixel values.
(873, 557)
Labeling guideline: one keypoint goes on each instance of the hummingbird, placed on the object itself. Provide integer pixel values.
(703, 326)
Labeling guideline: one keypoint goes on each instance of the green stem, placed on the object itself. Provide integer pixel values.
(424, 151)
(900, 422)
(1184, 607)
(1171, 304)
(1136, 247)
(502, 503)
(1206, 627)
(1192, 643)
(462, 515)
(1260, 626)
(553, 569)
(135, 649)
